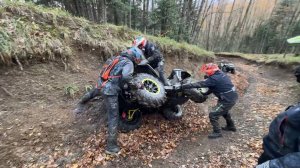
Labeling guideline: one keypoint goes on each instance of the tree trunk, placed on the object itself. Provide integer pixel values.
(196, 24)
(130, 14)
(228, 25)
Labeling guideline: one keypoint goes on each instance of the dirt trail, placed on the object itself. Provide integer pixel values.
(37, 126)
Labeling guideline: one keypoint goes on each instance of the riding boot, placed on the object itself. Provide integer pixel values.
(216, 127)
(112, 107)
(229, 123)
(112, 147)
(85, 98)
(80, 106)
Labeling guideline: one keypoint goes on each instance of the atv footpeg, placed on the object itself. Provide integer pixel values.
(169, 88)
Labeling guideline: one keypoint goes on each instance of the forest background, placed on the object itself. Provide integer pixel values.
(250, 26)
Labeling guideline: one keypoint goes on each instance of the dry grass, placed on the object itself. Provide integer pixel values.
(33, 33)
(289, 59)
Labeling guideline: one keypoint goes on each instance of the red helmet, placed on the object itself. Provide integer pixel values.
(139, 42)
(209, 69)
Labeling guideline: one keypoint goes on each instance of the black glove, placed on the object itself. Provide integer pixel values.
(144, 62)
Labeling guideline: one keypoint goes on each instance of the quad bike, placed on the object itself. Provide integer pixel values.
(154, 96)
(227, 67)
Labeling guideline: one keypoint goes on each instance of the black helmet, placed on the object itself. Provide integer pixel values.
(134, 54)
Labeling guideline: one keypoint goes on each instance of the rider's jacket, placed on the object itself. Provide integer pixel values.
(153, 54)
(120, 73)
(282, 144)
(220, 85)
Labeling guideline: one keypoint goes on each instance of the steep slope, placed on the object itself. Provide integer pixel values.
(30, 33)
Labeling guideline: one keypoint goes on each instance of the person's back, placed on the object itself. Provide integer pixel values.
(153, 54)
(282, 144)
(117, 75)
(221, 86)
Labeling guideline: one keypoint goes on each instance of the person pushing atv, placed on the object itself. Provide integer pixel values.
(115, 74)
(221, 86)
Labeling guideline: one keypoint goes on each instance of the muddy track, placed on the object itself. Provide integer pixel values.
(37, 128)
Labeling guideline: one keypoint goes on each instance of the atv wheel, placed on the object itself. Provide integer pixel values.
(153, 94)
(195, 94)
(130, 119)
(173, 113)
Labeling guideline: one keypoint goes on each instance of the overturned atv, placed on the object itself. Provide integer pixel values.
(155, 97)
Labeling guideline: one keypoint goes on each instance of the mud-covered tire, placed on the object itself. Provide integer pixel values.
(129, 121)
(173, 113)
(153, 93)
(194, 94)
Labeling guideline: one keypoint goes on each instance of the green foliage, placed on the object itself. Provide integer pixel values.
(166, 15)
(169, 45)
(5, 46)
(71, 90)
(40, 35)
(88, 88)
(271, 36)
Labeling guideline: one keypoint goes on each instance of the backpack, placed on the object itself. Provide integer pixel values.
(108, 66)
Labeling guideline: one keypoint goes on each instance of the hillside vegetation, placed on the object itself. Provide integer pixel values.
(31, 33)
(287, 61)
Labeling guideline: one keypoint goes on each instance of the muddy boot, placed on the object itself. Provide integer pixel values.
(80, 106)
(229, 123)
(112, 106)
(216, 127)
(112, 147)
(79, 109)
(215, 135)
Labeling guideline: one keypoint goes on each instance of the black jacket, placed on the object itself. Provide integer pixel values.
(153, 54)
(122, 73)
(282, 143)
(220, 85)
